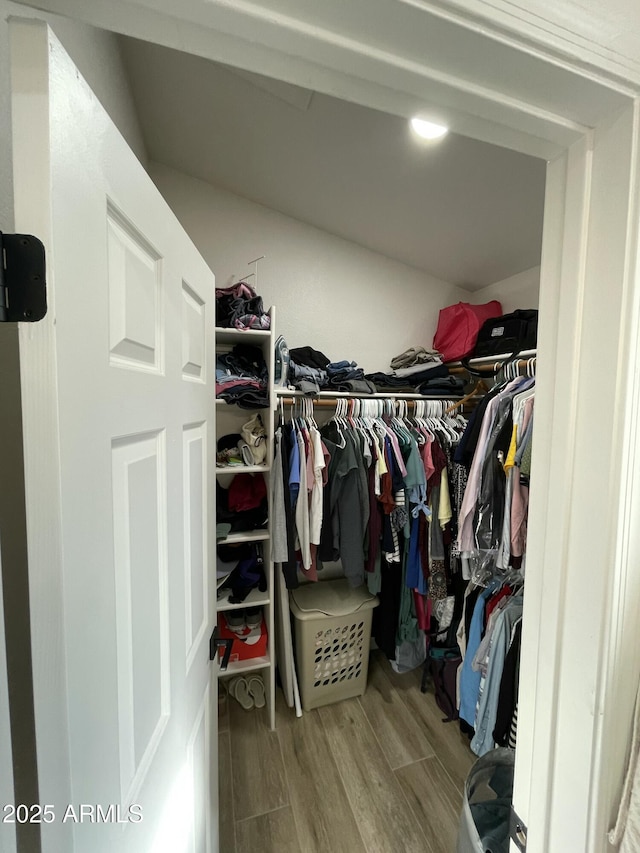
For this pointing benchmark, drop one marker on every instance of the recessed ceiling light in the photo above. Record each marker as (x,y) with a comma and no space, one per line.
(428,129)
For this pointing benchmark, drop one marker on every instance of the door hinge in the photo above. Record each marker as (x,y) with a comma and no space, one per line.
(214,642)
(518,831)
(23,286)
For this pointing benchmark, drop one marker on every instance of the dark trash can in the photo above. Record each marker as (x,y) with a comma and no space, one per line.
(486,806)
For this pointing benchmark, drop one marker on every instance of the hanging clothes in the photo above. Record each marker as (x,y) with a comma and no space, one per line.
(373,489)
(491,543)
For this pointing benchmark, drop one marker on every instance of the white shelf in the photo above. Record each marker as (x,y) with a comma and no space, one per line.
(234,336)
(228,415)
(242,666)
(246,536)
(388,395)
(254,599)
(490,360)
(233,405)
(243,469)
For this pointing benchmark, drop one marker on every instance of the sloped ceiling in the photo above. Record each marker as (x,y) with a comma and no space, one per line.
(464,211)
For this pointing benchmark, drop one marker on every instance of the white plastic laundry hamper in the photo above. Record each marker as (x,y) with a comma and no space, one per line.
(333,635)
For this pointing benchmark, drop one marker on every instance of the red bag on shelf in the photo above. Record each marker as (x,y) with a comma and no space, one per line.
(458,327)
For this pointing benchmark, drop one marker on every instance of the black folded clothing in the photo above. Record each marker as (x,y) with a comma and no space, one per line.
(234,553)
(355,386)
(310,357)
(242,377)
(228,442)
(245,360)
(388,380)
(452,386)
(246,398)
(251,519)
(351,375)
(248,573)
(239,306)
(435,372)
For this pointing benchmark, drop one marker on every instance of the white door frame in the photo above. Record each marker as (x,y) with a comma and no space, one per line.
(582,658)
(7,790)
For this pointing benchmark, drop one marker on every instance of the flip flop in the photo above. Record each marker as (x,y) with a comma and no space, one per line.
(256,690)
(238,688)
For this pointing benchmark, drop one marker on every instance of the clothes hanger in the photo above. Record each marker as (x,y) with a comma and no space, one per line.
(336,419)
(312,415)
(414,425)
(361,421)
(308,412)
(447,434)
(373,410)
(397,420)
(515,579)
(480,387)
(422,420)
(449,424)
(294,415)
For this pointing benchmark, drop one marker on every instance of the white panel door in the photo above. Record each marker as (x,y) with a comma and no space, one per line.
(118,397)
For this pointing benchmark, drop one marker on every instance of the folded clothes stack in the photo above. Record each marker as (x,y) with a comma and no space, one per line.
(414,356)
(242,377)
(238,307)
(246,448)
(418,371)
(347,376)
(307,370)
(243,506)
(310,371)
(240,568)
(233,452)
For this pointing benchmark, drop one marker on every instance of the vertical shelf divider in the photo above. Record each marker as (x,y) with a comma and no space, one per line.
(224,338)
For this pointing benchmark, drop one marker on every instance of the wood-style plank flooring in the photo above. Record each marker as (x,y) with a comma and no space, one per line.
(377,774)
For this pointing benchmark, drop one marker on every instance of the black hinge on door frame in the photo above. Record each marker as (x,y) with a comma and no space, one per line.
(214,642)
(518,831)
(23,286)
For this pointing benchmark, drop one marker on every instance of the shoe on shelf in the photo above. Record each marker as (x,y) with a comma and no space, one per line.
(239,689)
(255,685)
(236,621)
(253,432)
(253,617)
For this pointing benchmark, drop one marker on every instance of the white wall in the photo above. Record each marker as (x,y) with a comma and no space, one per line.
(517,291)
(97,55)
(331,294)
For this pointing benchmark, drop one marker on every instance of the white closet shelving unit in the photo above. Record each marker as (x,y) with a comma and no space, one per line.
(229,419)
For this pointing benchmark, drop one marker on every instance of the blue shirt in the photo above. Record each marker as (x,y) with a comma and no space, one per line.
(488,706)
(470,680)
(294,471)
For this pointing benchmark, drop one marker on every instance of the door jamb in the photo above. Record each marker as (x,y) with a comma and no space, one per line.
(569,178)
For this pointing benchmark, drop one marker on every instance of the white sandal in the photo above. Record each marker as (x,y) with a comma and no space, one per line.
(256,690)
(239,689)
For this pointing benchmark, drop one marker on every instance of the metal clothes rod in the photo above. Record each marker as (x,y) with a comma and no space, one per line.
(522,363)
(330,403)
(354,395)
(491,362)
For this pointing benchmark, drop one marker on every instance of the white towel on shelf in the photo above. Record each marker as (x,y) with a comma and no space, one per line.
(626,832)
